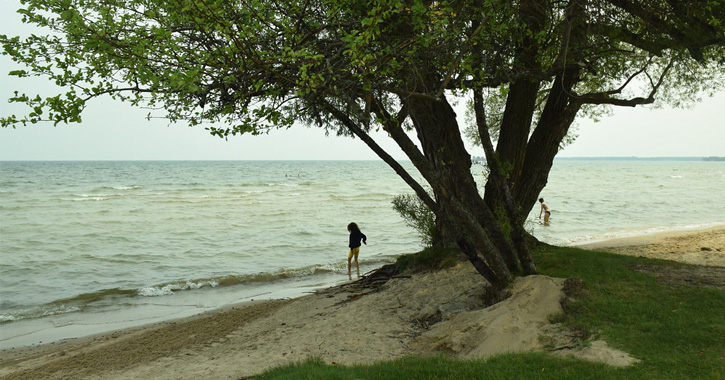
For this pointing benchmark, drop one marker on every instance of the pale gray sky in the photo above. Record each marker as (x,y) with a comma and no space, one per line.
(116,131)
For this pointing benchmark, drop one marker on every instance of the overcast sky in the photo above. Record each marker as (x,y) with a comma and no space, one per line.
(116,131)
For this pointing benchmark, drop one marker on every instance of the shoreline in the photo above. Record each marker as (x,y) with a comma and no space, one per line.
(698,247)
(652,238)
(145,311)
(245,338)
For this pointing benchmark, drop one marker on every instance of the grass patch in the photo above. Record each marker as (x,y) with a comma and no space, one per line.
(518,366)
(429,259)
(676,330)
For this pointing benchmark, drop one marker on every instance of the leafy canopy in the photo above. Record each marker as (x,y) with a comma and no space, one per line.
(260,64)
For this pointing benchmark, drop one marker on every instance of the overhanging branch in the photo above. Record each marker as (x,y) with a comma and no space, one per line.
(605,97)
(394,126)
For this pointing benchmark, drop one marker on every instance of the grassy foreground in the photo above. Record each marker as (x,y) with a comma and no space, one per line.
(676,330)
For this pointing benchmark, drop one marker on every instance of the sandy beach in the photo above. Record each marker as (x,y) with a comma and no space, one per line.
(699,247)
(414,315)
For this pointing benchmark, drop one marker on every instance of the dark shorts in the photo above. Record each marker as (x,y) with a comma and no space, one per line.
(547,212)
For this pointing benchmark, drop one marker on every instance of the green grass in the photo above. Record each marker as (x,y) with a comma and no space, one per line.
(677,331)
(429,259)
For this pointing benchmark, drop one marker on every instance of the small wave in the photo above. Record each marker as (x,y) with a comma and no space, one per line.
(98,195)
(121,188)
(185,200)
(94,296)
(38,312)
(86,198)
(362,197)
(165,290)
(107,297)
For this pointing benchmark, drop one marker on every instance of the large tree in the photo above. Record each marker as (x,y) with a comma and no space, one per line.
(528,67)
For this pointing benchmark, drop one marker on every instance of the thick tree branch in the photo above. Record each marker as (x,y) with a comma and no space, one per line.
(605,97)
(394,127)
(675,25)
(359,132)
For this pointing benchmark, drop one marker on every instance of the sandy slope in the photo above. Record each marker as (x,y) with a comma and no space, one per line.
(431,313)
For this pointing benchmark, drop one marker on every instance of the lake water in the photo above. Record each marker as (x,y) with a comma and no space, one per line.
(92,246)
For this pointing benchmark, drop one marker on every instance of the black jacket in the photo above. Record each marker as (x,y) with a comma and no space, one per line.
(355,237)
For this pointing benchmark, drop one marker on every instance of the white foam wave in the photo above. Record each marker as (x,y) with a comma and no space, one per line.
(39,311)
(86,199)
(92,197)
(168,289)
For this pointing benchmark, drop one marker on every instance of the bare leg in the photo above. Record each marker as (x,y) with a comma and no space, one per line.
(348,268)
(358,267)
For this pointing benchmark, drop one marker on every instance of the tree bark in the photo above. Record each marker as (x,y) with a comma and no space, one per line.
(557,116)
(520,105)
(460,206)
(498,178)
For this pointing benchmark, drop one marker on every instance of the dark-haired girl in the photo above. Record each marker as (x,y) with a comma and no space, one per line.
(356,236)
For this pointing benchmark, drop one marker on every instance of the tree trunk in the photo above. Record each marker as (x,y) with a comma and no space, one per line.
(443,238)
(461,209)
(559,112)
(498,179)
(520,105)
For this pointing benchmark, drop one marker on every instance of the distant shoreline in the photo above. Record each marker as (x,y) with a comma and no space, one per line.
(630,158)
(475,158)
(633,158)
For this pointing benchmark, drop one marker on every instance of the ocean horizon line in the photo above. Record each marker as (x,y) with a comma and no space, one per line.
(477,158)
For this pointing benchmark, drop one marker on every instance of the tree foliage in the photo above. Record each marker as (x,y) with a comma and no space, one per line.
(418,216)
(528,67)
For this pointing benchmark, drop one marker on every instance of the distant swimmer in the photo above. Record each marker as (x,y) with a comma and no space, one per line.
(545,210)
(356,236)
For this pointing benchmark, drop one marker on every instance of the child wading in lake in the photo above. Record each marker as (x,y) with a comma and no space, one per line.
(355,237)
(545,210)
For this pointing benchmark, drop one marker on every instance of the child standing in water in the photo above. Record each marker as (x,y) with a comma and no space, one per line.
(355,237)
(545,210)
